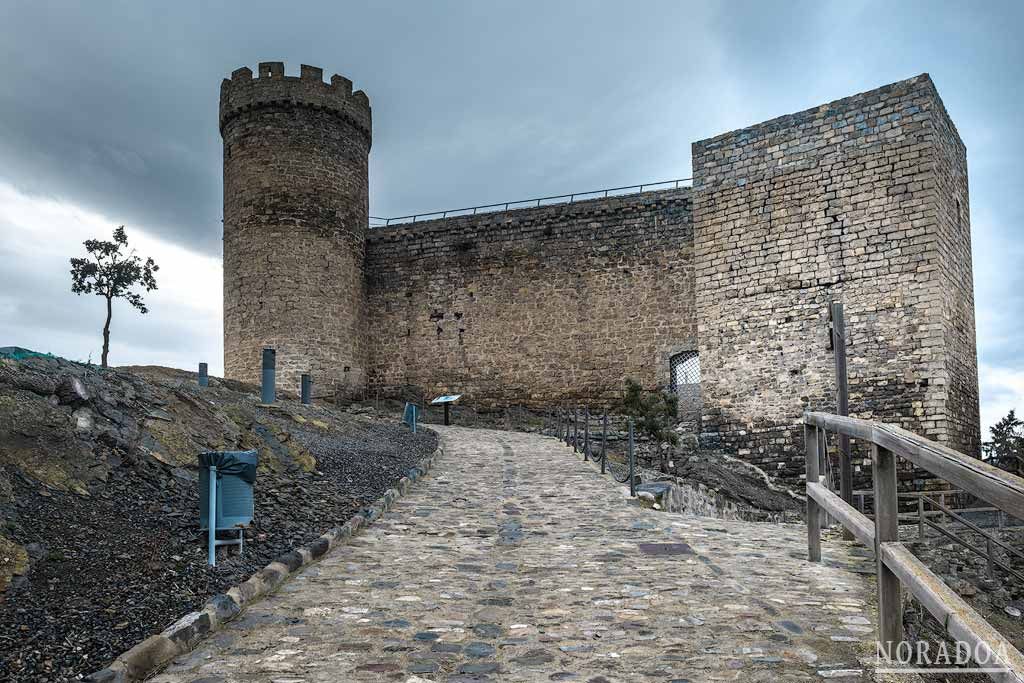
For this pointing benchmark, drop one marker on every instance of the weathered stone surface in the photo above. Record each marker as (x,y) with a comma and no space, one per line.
(295,218)
(863,200)
(595,589)
(533,306)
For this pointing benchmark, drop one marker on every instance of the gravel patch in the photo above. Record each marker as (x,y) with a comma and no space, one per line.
(112,567)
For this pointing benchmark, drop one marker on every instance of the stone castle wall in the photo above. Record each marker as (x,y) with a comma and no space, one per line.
(295,215)
(845,201)
(953,234)
(863,201)
(533,306)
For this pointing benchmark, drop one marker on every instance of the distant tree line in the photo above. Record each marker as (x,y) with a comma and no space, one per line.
(1006,447)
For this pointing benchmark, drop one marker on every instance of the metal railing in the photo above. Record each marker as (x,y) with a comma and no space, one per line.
(895,565)
(945,520)
(572,427)
(531,203)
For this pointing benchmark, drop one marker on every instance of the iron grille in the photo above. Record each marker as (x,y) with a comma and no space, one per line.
(685,369)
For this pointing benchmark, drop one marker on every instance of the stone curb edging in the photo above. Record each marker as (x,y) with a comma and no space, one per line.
(183,635)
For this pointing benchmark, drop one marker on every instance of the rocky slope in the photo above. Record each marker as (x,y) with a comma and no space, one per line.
(99,539)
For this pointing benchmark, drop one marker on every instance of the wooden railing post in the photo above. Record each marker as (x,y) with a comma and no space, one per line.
(890,607)
(813,509)
(842,404)
(823,469)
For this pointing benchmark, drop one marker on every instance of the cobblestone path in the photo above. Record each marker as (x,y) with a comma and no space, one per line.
(514,561)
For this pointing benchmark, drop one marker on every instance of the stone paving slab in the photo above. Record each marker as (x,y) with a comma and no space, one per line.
(514,561)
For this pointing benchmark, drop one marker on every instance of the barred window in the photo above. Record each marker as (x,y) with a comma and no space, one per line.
(685,369)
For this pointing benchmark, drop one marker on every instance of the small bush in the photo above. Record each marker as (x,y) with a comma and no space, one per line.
(654,412)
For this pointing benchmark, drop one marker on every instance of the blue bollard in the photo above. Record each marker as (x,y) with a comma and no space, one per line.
(204,378)
(411,416)
(306,389)
(268,388)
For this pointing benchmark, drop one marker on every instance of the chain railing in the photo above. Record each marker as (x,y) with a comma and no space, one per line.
(552,200)
(572,426)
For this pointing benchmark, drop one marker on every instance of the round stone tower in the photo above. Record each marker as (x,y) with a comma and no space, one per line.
(296,154)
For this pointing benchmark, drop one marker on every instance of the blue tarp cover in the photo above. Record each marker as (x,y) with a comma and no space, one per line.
(18,353)
(241,464)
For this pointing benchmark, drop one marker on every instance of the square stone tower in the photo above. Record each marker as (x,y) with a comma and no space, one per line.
(863,200)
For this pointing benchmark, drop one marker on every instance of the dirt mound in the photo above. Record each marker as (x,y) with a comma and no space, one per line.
(99,540)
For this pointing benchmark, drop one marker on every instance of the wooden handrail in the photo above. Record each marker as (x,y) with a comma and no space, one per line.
(958,618)
(895,564)
(998,487)
(863,529)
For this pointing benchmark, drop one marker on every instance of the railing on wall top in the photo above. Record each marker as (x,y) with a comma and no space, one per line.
(895,564)
(535,202)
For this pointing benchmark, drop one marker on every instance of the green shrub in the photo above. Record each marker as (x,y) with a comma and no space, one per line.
(654,412)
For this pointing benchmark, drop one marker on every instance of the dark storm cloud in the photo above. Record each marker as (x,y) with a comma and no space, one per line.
(112,106)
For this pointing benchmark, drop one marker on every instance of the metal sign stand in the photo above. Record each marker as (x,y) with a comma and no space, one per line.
(446,401)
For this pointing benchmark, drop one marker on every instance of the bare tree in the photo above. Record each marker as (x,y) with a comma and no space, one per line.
(111,273)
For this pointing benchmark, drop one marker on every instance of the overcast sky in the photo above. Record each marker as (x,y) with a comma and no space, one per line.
(108,115)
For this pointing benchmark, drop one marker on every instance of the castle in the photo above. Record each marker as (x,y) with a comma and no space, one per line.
(863,200)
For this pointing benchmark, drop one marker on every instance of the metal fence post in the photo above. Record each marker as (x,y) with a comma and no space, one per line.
(586,433)
(920,516)
(890,609)
(604,441)
(632,467)
(813,509)
(306,389)
(575,428)
(267,388)
(204,377)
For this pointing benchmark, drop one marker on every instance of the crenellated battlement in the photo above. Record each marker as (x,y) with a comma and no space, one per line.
(242,92)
